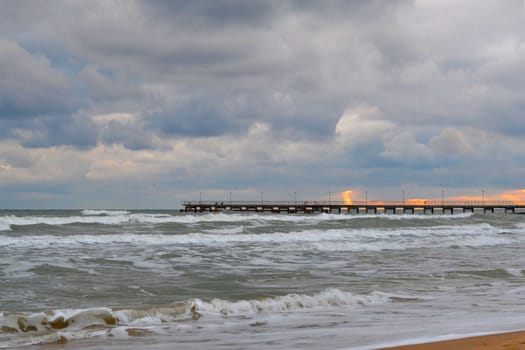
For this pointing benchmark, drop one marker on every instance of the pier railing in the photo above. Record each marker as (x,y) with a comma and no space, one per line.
(406,206)
(363,203)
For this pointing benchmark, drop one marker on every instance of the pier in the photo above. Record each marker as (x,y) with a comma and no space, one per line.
(356,207)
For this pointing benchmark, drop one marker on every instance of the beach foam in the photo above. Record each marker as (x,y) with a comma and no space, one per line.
(329,298)
(59,326)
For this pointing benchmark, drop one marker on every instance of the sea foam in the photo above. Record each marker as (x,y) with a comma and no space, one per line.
(328,239)
(117,217)
(104,212)
(327,299)
(62,325)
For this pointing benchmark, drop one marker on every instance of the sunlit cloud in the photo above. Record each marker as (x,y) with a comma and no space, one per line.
(347,197)
(512,196)
(516,197)
(417,201)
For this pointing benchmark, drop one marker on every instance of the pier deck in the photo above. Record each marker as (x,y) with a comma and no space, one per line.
(355,207)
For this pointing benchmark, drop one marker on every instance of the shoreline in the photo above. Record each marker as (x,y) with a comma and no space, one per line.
(497,341)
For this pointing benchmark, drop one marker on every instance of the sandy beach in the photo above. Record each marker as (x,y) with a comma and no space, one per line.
(502,341)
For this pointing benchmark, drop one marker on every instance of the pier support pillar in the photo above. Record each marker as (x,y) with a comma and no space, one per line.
(428,210)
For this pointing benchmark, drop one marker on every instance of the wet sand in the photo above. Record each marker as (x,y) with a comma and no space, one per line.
(503,341)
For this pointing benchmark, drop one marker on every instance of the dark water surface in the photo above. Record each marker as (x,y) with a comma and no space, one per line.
(161,279)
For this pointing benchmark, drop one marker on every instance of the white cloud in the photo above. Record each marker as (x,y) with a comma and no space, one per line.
(451,141)
(362,125)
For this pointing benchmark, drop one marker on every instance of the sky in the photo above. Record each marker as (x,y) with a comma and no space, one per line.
(145,104)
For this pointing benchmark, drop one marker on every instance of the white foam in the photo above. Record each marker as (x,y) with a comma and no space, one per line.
(226,230)
(81,318)
(156,315)
(55,326)
(52,326)
(520,225)
(334,239)
(6,222)
(71,324)
(52,337)
(327,299)
(115,217)
(514,272)
(4,226)
(104,212)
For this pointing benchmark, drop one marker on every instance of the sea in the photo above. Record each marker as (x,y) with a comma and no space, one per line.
(151,279)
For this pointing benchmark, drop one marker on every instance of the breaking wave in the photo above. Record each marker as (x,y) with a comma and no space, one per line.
(61,326)
(320,239)
(328,298)
(117,217)
(104,212)
(6,222)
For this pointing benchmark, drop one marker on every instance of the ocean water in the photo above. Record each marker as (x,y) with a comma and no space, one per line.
(96,279)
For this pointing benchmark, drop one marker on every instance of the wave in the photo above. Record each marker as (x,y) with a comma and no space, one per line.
(118,217)
(520,225)
(329,298)
(309,218)
(59,326)
(4,226)
(6,222)
(321,239)
(104,212)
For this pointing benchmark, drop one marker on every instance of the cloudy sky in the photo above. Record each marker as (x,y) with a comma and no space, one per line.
(144,104)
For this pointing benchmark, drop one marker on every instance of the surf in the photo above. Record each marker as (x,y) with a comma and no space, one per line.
(118,217)
(65,325)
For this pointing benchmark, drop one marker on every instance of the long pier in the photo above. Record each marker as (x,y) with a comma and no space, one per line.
(356,207)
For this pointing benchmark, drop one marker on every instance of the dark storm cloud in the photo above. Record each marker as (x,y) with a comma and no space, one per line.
(222,75)
(195,118)
(222,48)
(363,10)
(103,87)
(216,13)
(37,101)
(48,131)
(129,135)
(29,86)
(262,13)
(506,119)
(227,47)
